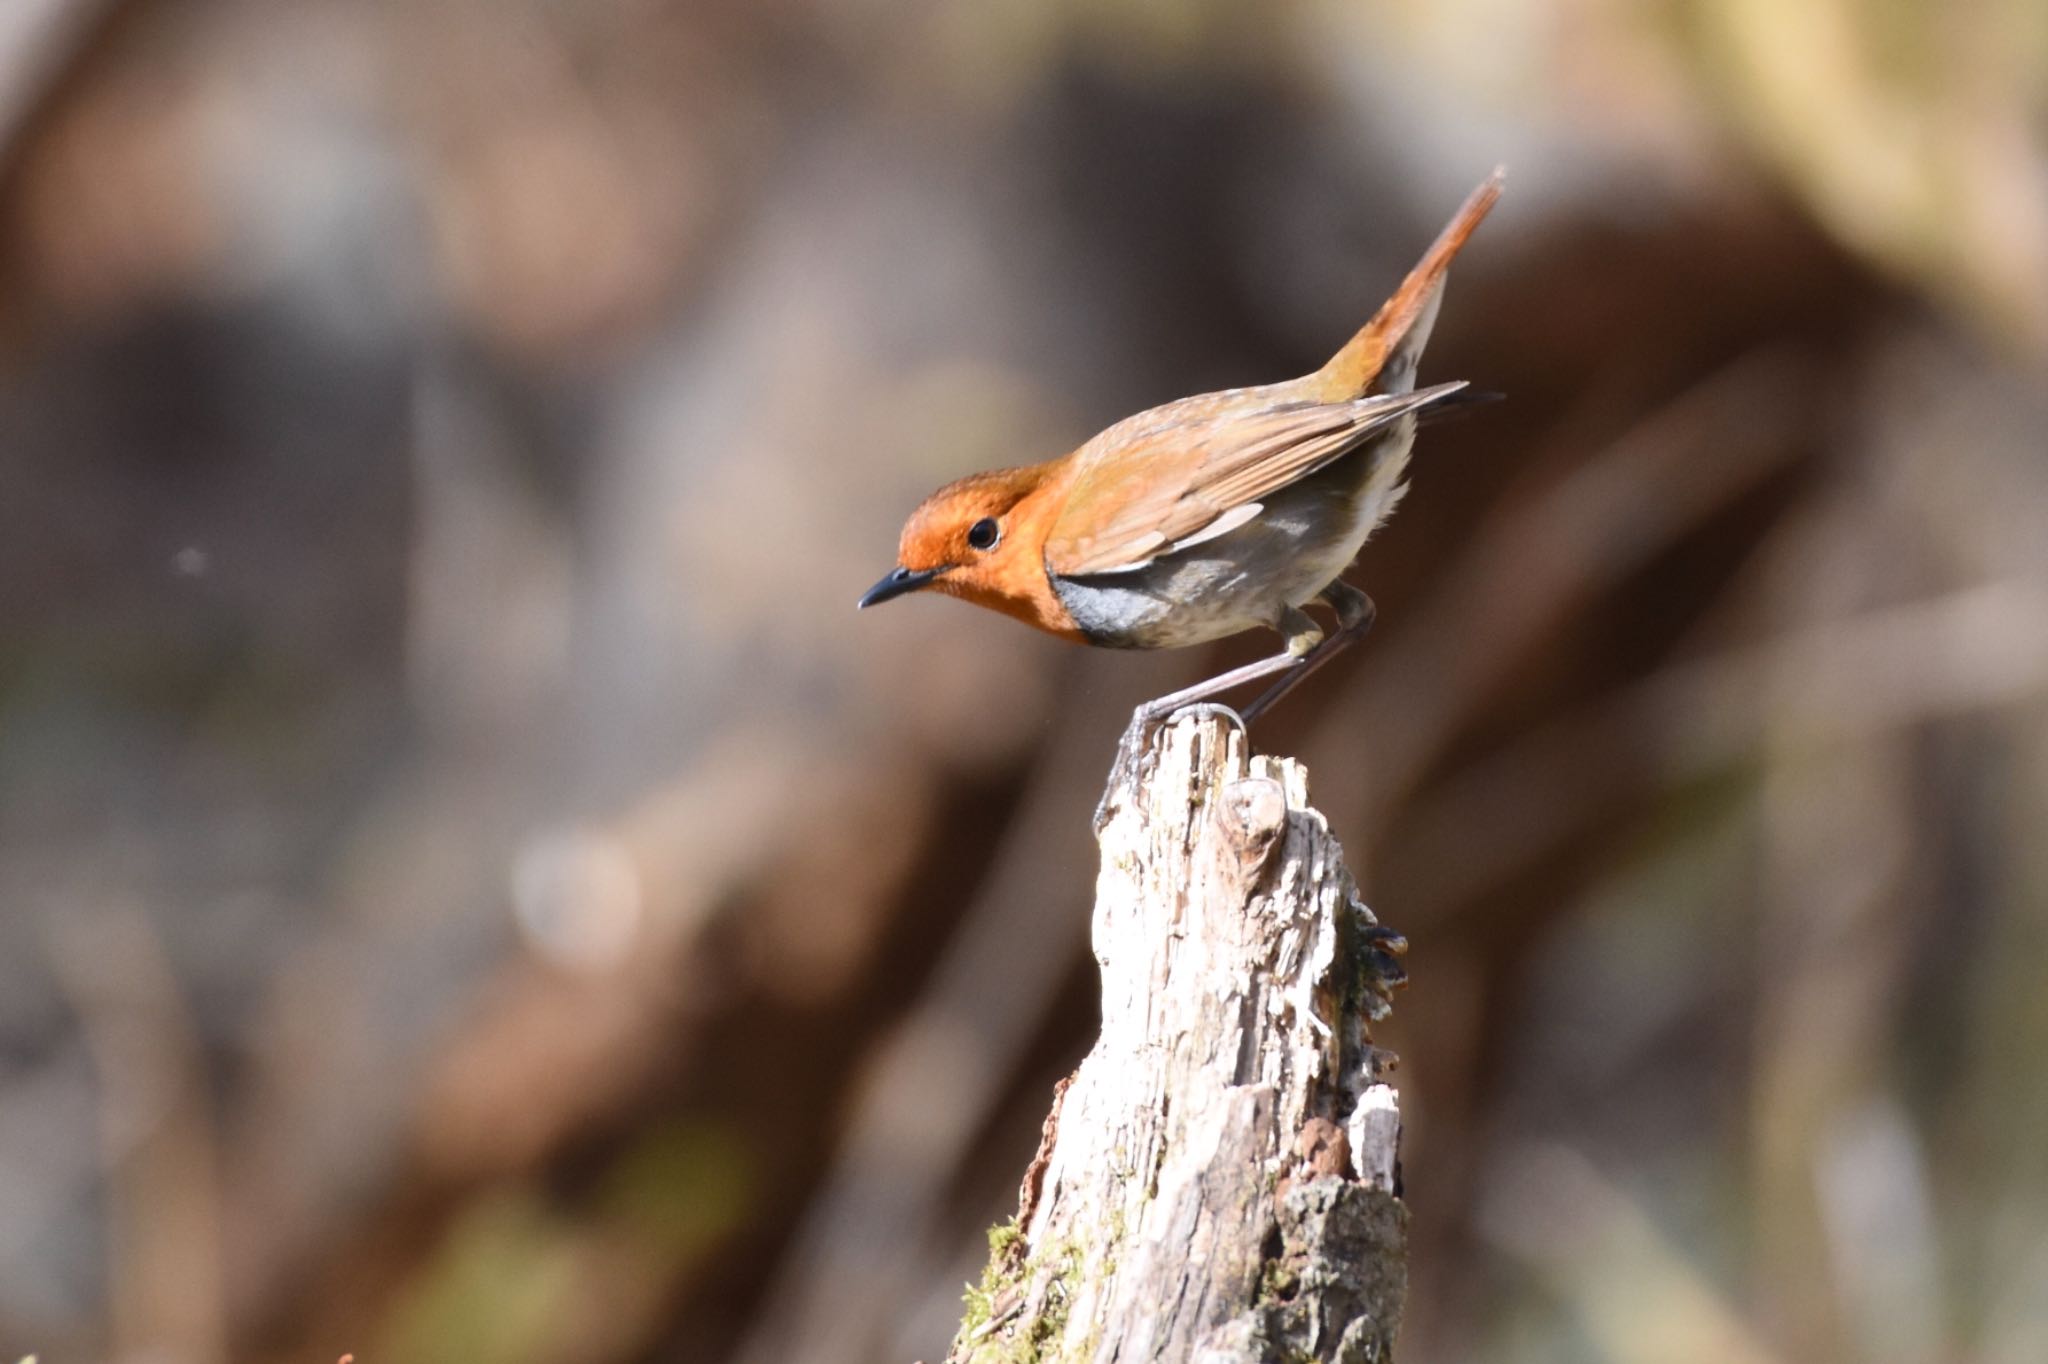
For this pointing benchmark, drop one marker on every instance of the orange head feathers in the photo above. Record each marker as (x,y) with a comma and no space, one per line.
(981,538)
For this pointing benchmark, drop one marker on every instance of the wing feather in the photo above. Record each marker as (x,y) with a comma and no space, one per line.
(1171,484)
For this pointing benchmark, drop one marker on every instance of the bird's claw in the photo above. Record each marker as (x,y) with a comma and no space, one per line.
(1216,710)
(1135,754)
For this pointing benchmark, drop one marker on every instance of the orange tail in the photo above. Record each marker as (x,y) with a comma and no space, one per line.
(1352,370)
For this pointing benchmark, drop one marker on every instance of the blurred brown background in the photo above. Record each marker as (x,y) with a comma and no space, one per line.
(471,888)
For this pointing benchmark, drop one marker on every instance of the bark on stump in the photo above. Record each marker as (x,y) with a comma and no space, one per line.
(1218,1180)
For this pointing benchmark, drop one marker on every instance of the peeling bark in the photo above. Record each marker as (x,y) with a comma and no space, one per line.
(1219,1179)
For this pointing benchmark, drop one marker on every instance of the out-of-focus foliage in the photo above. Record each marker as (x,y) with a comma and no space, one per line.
(471,887)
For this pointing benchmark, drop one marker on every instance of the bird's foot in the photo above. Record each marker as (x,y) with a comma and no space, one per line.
(1380,972)
(1215,710)
(1135,755)
(1133,752)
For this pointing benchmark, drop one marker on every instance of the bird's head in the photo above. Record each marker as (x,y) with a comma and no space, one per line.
(981,538)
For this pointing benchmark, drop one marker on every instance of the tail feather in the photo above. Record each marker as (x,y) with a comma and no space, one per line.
(1381,358)
(1454,405)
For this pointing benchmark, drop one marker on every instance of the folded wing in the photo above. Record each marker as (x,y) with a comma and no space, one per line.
(1172,483)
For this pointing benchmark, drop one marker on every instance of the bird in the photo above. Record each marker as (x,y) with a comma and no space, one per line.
(1209,515)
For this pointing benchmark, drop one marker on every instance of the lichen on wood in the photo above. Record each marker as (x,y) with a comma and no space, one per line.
(1218,1181)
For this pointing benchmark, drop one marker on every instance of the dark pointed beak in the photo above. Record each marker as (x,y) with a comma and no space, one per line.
(899,581)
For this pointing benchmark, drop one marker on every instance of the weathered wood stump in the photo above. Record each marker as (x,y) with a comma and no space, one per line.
(1218,1181)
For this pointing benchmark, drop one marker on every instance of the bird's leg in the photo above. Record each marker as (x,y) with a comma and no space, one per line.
(1303,638)
(1355,613)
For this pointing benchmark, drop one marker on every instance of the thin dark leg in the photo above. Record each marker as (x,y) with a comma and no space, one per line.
(1161,707)
(1355,613)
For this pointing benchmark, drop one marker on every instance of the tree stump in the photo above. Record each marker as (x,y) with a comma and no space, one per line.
(1218,1181)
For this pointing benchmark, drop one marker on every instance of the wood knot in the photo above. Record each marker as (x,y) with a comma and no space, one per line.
(1254,813)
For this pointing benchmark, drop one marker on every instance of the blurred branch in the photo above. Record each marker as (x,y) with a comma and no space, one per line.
(38,40)
(1216,1181)
(935,1082)
(1549,554)
(1598,1249)
(156,1135)
(1838,683)
(1914,139)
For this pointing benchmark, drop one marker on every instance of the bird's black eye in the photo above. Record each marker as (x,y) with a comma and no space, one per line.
(984,533)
